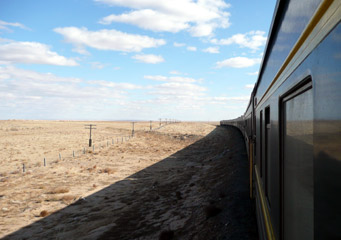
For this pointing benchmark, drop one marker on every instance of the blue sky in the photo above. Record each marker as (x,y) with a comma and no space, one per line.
(130,59)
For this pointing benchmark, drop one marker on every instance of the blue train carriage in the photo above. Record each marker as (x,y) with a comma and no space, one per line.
(293,124)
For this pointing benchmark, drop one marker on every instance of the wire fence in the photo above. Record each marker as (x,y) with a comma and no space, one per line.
(96,147)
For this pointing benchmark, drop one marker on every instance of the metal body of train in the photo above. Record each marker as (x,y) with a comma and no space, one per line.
(292,125)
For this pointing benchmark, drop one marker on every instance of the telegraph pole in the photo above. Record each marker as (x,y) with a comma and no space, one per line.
(90,126)
(132,131)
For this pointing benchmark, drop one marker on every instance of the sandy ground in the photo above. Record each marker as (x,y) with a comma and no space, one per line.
(182,181)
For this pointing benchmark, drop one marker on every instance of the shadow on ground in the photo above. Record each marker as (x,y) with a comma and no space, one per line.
(200,192)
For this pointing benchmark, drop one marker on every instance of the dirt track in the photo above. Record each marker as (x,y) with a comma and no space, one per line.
(199,192)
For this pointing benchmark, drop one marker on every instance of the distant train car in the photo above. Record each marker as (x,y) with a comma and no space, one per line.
(292,125)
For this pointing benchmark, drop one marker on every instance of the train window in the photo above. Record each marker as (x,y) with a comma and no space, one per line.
(261,143)
(297,164)
(267,152)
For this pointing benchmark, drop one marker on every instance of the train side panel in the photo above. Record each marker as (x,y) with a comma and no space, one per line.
(296,134)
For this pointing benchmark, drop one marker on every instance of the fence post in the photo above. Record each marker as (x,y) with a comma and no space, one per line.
(44,162)
(23,167)
(133,130)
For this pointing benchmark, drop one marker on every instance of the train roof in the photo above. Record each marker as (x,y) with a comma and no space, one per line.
(288,29)
(274,23)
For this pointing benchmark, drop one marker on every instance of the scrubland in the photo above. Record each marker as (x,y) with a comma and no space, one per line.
(168,181)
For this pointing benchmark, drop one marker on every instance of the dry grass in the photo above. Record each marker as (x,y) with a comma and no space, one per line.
(67,199)
(91,169)
(108,170)
(5,179)
(60,183)
(44,213)
(37,165)
(58,190)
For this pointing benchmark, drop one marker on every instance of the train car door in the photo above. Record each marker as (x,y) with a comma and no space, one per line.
(297,164)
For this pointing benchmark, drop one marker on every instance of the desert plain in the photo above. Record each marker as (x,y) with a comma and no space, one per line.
(185,180)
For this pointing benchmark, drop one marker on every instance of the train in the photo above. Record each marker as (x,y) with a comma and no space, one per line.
(292,124)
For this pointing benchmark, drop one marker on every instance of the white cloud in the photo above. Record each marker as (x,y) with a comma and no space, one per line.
(174,72)
(4,25)
(226,99)
(33,95)
(174,94)
(191,48)
(253,73)
(20,82)
(26,94)
(253,40)
(156,78)
(241,98)
(150,20)
(32,53)
(80,50)
(4,40)
(178,89)
(171,79)
(24,84)
(13,73)
(175,44)
(108,39)
(249,86)
(184,90)
(97,65)
(211,50)
(238,62)
(200,17)
(202,30)
(148,58)
(121,86)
